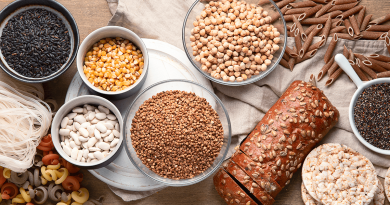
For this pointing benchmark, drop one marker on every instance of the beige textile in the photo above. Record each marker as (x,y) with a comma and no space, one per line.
(246,105)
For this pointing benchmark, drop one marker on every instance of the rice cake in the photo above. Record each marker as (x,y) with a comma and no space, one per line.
(336,174)
(379,198)
(306,197)
(387,184)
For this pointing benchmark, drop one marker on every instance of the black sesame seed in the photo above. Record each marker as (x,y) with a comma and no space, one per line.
(372,115)
(35,43)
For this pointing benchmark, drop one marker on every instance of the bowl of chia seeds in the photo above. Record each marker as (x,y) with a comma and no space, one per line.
(369,110)
(38,40)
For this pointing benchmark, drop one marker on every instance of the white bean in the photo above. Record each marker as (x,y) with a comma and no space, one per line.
(64,122)
(98,155)
(94,121)
(91,130)
(111,117)
(85,145)
(106,133)
(82,159)
(92,141)
(105,153)
(85,111)
(80,119)
(97,134)
(67,142)
(89,107)
(83,139)
(104,109)
(91,156)
(109,138)
(62,138)
(70,122)
(79,155)
(94,160)
(71,115)
(67,150)
(64,132)
(74,153)
(93,149)
(112,122)
(72,144)
(117,127)
(75,138)
(77,110)
(85,153)
(89,160)
(101,116)
(116,133)
(76,125)
(91,115)
(97,111)
(85,124)
(104,146)
(101,127)
(84,132)
(109,126)
(114,142)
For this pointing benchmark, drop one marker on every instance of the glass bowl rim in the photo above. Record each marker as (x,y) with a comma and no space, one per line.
(124,130)
(245,82)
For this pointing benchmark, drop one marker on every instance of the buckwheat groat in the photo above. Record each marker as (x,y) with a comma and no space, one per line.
(336,174)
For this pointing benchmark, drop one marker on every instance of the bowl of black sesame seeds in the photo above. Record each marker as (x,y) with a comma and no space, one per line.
(38,40)
(369,110)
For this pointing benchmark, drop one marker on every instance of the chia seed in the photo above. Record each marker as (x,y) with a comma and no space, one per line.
(372,115)
(35,43)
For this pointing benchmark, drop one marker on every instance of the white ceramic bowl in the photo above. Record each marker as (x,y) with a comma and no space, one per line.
(112,31)
(344,64)
(66,109)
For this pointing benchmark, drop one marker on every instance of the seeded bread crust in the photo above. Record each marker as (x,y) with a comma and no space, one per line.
(230,191)
(253,187)
(278,145)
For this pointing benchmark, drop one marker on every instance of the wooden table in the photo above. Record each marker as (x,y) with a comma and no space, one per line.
(91,15)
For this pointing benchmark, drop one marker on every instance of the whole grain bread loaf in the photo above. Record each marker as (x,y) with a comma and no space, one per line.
(276,148)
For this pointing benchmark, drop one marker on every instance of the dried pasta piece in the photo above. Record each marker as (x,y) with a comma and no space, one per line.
(326,30)
(317,45)
(349,28)
(334,76)
(344,36)
(349,12)
(387,42)
(298,42)
(332,45)
(360,17)
(323,10)
(310,29)
(339,2)
(289,17)
(373,66)
(366,69)
(365,22)
(296,10)
(291,63)
(262,2)
(354,24)
(309,12)
(309,39)
(342,7)
(307,55)
(358,71)
(299,28)
(284,63)
(333,68)
(371,35)
(385,74)
(380,20)
(303,4)
(337,29)
(380,57)
(286,56)
(380,63)
(382,28)
(290,52)
(331,14)
(325,69)
(284,3)
(321,1)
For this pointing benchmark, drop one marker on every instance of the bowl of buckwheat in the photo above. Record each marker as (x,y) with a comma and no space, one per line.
(113,62)
(234,42)
(177,132)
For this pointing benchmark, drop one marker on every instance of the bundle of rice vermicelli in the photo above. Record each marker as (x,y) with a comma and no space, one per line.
(24,119)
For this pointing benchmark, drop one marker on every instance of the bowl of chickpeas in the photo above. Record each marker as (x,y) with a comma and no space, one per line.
(113,62)
(234,42)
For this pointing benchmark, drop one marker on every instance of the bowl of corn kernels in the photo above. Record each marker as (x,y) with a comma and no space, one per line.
(113,62)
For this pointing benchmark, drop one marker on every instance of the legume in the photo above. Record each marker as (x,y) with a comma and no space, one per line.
(113,64)
(177,134)
(371,114)
(233,40)
(35,43)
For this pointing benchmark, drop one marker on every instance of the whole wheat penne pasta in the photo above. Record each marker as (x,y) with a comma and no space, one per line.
(290,34)
(313,21)
(331,14)
(324,9)
(366,69)
(345,51)
(332,45)
(293,27)
(298,43)
(291,63)
(344,36)
(382,37)
(289,17)
(348,26)
(317,45)
(354,24)
(380,57)
(334,76)
(371,35)
(359,72)
(307,55)
(326,30)
(284,63)
(338,2)
(303,4)
(309,12)
(310,29)
(337,29)
(380,63)
(296,10)
(276,15)
(309,39)
(300,28)
(383,74)
(365,22)
(360,17)
(360,57)
(284,3)
(351,56)
(373,66)
(286,56)
(333,68)
(343,7)
(349,12)
(325,69)
(291,53)
(382,28)
(387,42)
(336,22)
(321,1)
(262,2)
(380,20)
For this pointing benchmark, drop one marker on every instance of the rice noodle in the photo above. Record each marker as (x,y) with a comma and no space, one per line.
(24,119)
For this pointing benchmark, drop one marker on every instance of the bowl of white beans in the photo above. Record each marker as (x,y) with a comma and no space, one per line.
(86,131)
(234,42)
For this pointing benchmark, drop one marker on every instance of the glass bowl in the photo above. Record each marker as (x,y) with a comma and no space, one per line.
(270,7)
(182,85)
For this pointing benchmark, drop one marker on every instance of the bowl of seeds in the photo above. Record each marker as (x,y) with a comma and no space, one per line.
(113,62)
(39,40)
(234,42)
(177,132)
(369,110)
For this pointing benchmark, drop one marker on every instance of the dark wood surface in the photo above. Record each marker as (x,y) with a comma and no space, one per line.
(93,14)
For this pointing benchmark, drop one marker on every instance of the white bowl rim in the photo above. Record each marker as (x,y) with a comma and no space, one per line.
(56,140)
(352,118)
(84,44)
